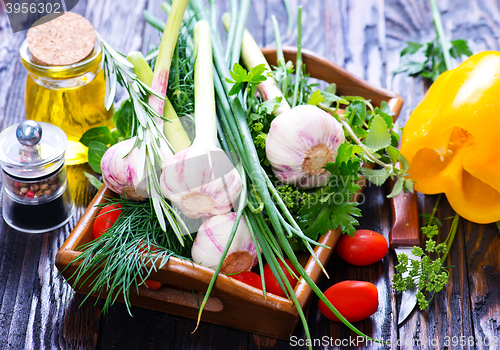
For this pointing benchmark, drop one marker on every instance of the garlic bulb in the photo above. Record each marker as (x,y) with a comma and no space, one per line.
(300,143)
(121,169)
(212,239)
(201,180)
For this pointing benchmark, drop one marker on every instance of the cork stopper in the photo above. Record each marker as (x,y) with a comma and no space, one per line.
(65,40)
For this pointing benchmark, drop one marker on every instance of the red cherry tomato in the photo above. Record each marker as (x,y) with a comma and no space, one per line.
(272,285)
(355,300)
(106,218)
(365,248)
(152,284)
(250,278)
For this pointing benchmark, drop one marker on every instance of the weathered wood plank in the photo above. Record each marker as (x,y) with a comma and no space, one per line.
(448,313)
(483,264)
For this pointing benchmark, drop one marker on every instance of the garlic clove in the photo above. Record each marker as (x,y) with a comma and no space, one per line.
(119,166)
(201,181)
(211,241)
(300,143)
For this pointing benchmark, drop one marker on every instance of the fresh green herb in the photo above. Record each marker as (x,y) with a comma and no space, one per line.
(241,77)
(293,197)
(434,64)
(100,138)
(437,52)
(128,252)
(331,207)
(426,274)
(259,121)
(498,225)
(119,70)
(96,151)
(361,121)
(93,180)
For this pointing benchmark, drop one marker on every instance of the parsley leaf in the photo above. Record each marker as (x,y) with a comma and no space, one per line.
(426,274)
(331,207)
(378,135)
(241,77)
(434,63)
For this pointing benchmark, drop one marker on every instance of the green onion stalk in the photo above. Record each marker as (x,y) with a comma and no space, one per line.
(234,124)
(269,89)
(279,55)
(298,62)
(178,137)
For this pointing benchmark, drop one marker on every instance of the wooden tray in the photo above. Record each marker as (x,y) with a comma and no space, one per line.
(232,303)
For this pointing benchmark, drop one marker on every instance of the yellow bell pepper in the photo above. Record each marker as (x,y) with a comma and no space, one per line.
(452,138)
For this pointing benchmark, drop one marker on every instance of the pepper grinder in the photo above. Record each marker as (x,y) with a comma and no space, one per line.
(36,196)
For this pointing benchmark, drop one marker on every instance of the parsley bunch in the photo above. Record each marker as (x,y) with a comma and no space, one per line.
(426,274)
(434,63)
(331,206)
(371,129)
(437,52)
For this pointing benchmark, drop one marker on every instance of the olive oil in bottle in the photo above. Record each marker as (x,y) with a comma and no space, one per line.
(61,91)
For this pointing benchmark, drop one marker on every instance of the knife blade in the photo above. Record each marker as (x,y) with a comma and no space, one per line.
(403,237)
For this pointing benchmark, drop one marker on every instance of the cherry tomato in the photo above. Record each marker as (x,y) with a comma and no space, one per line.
(272,285)
(355,300)
(152,284)
(365,248)
(105,219)
(250,278)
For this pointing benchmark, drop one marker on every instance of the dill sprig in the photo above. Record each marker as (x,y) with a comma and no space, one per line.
(127,253)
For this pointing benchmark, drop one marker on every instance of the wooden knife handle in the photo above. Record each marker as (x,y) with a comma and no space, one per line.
(405,230)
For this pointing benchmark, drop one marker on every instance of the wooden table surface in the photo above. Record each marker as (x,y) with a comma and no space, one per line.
(39,311)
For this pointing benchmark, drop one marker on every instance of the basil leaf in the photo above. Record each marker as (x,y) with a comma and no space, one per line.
(96,151)
(99,134)
(125,120)
(93,180)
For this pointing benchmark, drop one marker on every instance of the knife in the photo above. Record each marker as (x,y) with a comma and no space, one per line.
(403,237)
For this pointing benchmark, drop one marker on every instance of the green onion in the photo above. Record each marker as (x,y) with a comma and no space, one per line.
(238,127)
(167,47)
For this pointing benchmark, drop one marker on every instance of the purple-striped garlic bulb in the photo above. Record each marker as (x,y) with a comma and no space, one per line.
(123,168)
(300,143)
(201,180)
(212,238)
